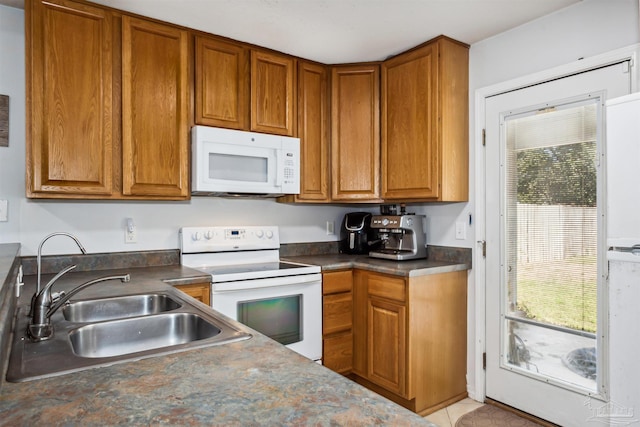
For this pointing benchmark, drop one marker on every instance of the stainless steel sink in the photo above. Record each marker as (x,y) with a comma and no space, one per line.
(160,321)
(97,310)
(119,337)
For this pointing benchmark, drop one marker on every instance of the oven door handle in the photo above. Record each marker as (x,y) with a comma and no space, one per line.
(241,285)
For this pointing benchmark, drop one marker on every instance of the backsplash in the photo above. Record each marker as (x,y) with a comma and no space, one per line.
(102,261)
(106,261)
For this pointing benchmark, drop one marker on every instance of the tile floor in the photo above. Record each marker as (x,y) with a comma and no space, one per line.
(448,416)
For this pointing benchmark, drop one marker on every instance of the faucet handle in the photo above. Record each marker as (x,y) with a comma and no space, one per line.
(55,296)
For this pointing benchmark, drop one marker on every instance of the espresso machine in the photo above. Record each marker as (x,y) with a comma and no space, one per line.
(403,236)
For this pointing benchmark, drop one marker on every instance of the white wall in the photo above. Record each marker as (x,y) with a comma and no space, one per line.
(12,158)
(582,30)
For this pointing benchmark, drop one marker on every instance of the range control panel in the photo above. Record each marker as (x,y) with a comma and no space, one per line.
(228,238)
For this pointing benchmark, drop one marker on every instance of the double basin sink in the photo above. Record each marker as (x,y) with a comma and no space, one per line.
(107,330)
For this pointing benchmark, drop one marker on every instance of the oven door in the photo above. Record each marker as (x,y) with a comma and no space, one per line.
(286,309)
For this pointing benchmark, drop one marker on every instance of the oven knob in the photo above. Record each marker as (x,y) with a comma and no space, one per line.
(196,236)
(259,234)
(269,234)
(208,234)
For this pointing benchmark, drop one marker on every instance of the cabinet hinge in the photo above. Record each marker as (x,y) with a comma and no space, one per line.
(484,137)
(484,361)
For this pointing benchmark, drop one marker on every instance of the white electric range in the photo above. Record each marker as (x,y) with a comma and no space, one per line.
(250,284)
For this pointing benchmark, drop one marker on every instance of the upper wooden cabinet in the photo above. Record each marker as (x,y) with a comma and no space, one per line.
(273,100)
(69,77)
(313,131)
(240,88)
(86,138)
(355,133)
(222,83)
(155,109)
(425,129)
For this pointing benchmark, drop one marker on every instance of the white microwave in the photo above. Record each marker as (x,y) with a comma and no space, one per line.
(233,162)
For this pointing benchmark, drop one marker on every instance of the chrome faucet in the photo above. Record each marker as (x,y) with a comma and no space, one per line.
(40,327)
(39,257)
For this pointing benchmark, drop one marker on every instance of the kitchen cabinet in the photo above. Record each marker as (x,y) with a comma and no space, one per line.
(410,337)
(222,83)
(355,133)
(337,321)
(107,104)
(199,291)
(313,131)
(155,109)
(425,129)
(273,100)
(70,143)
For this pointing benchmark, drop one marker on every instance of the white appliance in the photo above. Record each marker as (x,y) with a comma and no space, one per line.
(623,238)
(233,162)
(250,284)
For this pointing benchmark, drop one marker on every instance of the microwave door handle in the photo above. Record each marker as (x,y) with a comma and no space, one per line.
(279,167)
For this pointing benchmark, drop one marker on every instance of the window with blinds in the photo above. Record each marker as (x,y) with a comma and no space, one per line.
(551,236)
(552,216)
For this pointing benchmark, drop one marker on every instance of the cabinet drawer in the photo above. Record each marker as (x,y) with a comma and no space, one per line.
(337,313)
(338,352)
(387,287)
(339,281)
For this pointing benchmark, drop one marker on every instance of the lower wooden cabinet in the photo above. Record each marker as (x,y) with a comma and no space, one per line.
(199,291)
(409,337)
(337,321)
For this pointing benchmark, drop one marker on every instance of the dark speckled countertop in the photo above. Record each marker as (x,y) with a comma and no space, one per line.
(256,382)
(412,268)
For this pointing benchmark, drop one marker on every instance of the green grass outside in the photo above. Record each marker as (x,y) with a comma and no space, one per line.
(561,293)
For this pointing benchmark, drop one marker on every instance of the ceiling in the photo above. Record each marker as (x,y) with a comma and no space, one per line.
(341,31)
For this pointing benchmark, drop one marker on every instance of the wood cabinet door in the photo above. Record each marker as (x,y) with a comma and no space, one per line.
(410,148)
(386,344)
(355,133)
(272,93)
(313,130)
(222,83)
(69,77)
(199,291)
(155,110)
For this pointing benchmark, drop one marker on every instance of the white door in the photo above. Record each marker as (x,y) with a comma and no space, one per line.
(545,256)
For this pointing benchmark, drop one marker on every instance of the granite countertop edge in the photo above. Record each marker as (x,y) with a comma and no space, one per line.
(410,268)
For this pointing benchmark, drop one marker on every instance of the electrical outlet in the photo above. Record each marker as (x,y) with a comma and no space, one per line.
(130,232)
(4,210)
(461,230)
(330,228)
(131,236)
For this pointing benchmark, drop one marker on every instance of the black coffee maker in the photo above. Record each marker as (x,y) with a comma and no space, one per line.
(356,233)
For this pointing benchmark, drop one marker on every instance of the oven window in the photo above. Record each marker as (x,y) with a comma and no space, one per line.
(231,167)
(278,318)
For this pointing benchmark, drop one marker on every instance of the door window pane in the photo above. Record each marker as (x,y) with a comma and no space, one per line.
(552,243)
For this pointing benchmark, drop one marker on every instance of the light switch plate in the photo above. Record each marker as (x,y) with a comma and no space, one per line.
(461,230)
(330,228)
(4,210)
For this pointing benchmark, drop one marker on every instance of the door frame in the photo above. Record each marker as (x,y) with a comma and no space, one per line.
(626,53)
